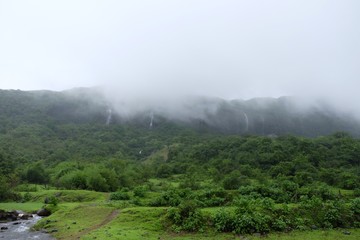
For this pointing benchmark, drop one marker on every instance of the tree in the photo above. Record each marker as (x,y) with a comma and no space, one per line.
(36,174)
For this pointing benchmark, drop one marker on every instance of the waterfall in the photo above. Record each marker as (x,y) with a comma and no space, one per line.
(151,120)
(246,122)
(109,116)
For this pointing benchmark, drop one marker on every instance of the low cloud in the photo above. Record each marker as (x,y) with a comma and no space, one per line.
(161,51)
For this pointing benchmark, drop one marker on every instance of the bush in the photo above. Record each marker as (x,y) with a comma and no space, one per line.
(186,217)
(190,183)
(27,197)
(96,182)
(253,215)
(355,208)
(261,191)
(213,197)
(322,191)
(234,181)
(356,192)
(120,196)
(51,200)
(224,221)
(73,180)
(26,188)
(171,197)
(140,191)
(6,193)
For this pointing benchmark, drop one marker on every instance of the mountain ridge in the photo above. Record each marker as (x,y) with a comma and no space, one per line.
(258,116)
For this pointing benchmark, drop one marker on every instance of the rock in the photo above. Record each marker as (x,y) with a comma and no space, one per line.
(10,216)
(16,223)
(43,212)
(314,227)
(346,232)
(14,215)
(26,216)
(4,228)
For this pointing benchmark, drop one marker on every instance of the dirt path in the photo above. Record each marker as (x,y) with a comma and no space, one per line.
(108,219)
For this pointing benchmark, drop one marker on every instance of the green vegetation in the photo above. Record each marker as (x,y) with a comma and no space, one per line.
(211,187)
(126,181)
(27,207)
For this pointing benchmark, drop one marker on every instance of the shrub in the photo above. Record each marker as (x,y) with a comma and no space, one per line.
(51,200)
(213,197)
(190,183)
(119,196)
(26,188)
(27,197)
(252,222)
(234,181)
(73,180)
(186,217)
(171,197)
(279,224)
(95,181)
(356,192)
(140,191)
(355,208)
(224,221)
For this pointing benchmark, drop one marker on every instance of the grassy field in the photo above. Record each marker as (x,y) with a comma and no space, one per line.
(72,223)
(26,207)
(68,195)
(90,215)
(334,234)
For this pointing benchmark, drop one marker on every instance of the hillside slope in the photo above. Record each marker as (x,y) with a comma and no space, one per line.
(260,116)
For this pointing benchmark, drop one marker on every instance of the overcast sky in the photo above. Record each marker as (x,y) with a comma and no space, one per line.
(224,48)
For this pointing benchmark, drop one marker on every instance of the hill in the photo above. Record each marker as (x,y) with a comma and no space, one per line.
(259,116)
(202,165)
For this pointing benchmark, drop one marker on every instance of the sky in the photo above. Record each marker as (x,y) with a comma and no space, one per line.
(223,48)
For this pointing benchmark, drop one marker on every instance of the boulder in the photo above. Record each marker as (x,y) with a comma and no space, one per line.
(8,216)
(43,212)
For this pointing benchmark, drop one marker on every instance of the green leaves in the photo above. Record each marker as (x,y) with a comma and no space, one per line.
(186,217)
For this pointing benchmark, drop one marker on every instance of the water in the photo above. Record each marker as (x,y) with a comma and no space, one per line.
(246,122)
(108,119)
(151,120)
(22,230)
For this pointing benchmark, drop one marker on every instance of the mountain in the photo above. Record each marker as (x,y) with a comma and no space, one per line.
(260,116)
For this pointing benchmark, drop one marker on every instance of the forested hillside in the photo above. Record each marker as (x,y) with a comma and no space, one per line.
(43,131)
(259,116)
(73,141)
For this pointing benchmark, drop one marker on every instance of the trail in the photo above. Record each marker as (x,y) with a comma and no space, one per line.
(108,219)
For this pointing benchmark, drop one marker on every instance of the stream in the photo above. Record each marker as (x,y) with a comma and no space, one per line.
(20,230)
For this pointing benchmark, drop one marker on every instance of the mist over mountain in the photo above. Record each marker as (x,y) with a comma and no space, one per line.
(259,116)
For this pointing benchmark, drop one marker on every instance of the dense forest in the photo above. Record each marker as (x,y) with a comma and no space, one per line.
(64,142)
